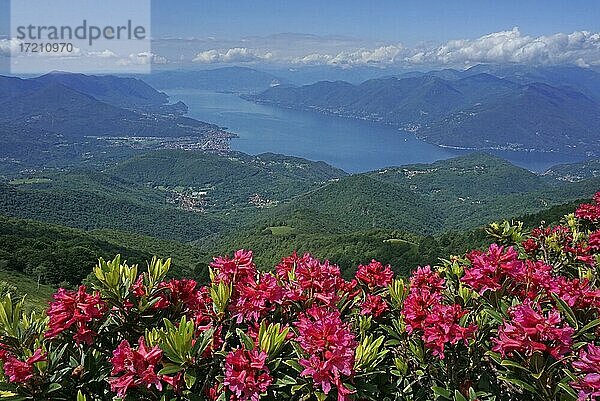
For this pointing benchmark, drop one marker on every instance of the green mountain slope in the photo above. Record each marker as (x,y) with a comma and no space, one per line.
(227,181)
(459,193)
(56,254)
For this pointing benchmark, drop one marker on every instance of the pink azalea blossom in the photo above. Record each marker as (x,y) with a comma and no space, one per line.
(329,345)
(373,305)
(530,331)
(74,308)
(135,367)
(588,364)
(375,274)
(256,298)
(246,374)
(21,371)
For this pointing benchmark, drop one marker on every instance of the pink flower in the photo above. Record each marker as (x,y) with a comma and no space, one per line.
(373,305)
(530,245)
(594,240)
(307,278)
(423,311)
(239,268)
(177,292)
(588,365)
(322,281)
(19,371)
(330,346)
(74,308)
(246,374)
(138,367)
(441,326)
(587,211)
(576,293)
(256,298)
(375,274)
(287,266)
(529,331)
(425,292)
(489,269)
(529,279)
(139,289)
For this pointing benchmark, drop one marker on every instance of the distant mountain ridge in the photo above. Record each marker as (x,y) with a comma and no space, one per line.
(229,79)
(574,172)
(472,109)
(61,119)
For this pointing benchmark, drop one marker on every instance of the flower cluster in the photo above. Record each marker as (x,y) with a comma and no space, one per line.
(531,331)
(499,269)
(590,211)
(373,305)
(236,269)
(74,309)
(425,312)
(588,364)
(21,371)
(257,297)
(246,374)
(488,269)
(135,367)
(375,274)
(329,346)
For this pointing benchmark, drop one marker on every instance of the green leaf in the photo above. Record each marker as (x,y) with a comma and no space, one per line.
(569,391)
(170,368)
(285,381)
(458,396)
(442,392)
(190,379)
(520,383)
(54,387)
(247,341)
(516,365)
(587,327)
(567,311)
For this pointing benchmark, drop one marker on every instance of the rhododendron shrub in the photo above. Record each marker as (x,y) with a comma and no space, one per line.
(517,320)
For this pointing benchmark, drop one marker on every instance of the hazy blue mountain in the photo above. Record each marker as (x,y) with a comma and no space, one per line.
(230,79)
(535,116)
(474,109)
(56,108)
(118,91)
(584,80)
(58,120)
(575,171)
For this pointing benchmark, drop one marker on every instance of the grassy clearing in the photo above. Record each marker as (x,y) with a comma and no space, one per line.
(25,181)
(36,297)
(398,241)
(280,230)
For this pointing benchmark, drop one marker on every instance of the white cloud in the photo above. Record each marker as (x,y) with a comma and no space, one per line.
(511,46)
(382,55)
(580,47)
(7,46)
(143,58)
(232,55)
(103,54)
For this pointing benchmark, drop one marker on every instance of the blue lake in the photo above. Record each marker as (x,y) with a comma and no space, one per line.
(352,145)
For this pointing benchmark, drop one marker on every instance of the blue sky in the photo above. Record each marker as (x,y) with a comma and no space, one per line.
(385,33)
(410,22)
